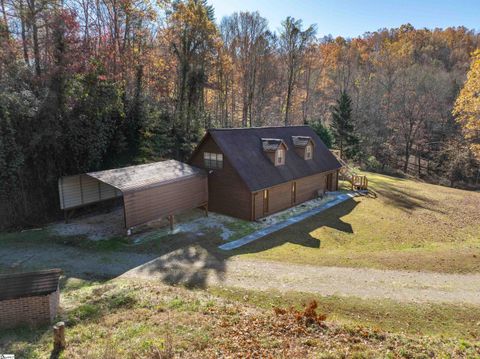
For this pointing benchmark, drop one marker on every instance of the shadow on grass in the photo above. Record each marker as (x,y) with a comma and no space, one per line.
(299,233)
(185,258)
(405,199)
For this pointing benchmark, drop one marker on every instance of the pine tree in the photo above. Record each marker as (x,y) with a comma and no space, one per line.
(324,132)
(342,126)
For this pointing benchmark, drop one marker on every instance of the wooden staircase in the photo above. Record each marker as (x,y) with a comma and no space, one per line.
(358,182)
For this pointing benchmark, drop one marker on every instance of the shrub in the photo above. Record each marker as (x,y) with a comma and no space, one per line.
(373,164)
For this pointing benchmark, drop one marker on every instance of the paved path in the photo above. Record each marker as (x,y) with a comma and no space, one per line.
(337,199)
(402,286)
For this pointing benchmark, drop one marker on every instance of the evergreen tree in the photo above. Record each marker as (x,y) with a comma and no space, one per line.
(324,132)
(342,126)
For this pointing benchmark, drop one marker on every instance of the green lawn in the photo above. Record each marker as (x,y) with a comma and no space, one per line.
(401,224)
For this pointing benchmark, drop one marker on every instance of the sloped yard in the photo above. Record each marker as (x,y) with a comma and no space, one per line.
(401,224)
(143,319)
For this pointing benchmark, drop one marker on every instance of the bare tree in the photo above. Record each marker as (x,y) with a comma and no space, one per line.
(246,36)
(293,44)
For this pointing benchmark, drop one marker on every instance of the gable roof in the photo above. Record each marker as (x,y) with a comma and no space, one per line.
(243,148)
(301,141)
(139,177)
(272,144)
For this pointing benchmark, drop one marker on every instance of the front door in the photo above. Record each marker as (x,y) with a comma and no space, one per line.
(294,192)
(329,182)
(265,201)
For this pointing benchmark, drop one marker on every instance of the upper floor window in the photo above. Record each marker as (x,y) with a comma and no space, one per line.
(280,157)
(308,152)
(213,160)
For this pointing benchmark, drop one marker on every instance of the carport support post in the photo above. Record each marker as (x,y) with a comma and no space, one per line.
(170,220)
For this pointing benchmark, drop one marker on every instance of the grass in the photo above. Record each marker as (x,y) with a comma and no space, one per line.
(402,224)
(145,319)
(45,237)
(454,321)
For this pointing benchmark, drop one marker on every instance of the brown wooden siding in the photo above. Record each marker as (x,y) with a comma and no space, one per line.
(227,192)
(280,196)
(163,200)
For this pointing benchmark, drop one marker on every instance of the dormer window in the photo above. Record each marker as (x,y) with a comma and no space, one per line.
(308,152)
(303,146)
(280,157)
(275,149)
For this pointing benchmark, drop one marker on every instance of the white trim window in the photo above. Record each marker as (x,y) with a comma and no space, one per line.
(308,152)
(213,160)
(280,157)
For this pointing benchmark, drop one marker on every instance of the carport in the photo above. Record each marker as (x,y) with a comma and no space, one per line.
(150,191)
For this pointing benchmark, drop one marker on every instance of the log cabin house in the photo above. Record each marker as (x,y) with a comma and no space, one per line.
(255,172)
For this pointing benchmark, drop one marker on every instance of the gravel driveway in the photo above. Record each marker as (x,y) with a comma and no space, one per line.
(194,265)
(402,286)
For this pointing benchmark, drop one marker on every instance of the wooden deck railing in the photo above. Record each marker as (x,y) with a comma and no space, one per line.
(359,182)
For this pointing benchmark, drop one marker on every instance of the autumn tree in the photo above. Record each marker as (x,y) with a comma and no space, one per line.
(246,37)
(467,106)
(194,40)
(293,44)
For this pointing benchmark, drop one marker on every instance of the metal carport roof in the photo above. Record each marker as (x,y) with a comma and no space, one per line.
(138,177)
(149,191)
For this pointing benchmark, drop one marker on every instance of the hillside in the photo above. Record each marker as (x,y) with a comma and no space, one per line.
(132,319)
(401,224)
(178,295)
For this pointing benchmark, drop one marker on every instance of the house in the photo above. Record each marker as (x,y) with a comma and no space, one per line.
(254,172)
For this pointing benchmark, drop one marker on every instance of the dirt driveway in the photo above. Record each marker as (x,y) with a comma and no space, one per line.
(195,265)
(402,286)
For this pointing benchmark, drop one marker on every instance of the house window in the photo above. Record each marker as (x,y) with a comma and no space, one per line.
(213,160)
(280,157)
(308,152)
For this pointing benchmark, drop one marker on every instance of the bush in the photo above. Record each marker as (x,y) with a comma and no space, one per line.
(373,164)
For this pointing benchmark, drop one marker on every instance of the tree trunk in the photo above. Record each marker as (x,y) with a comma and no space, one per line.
(24,35)
(407,158)
(289,94)
(36,47)
(4,15)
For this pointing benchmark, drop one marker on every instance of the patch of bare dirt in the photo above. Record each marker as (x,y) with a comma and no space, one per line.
(404,286)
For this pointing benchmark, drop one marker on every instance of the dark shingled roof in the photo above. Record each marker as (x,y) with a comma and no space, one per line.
(243,148)
(29,284)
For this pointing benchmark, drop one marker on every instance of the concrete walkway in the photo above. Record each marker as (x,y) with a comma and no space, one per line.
(338,197)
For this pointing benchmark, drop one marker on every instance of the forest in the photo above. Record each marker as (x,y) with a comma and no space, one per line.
(93,84)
